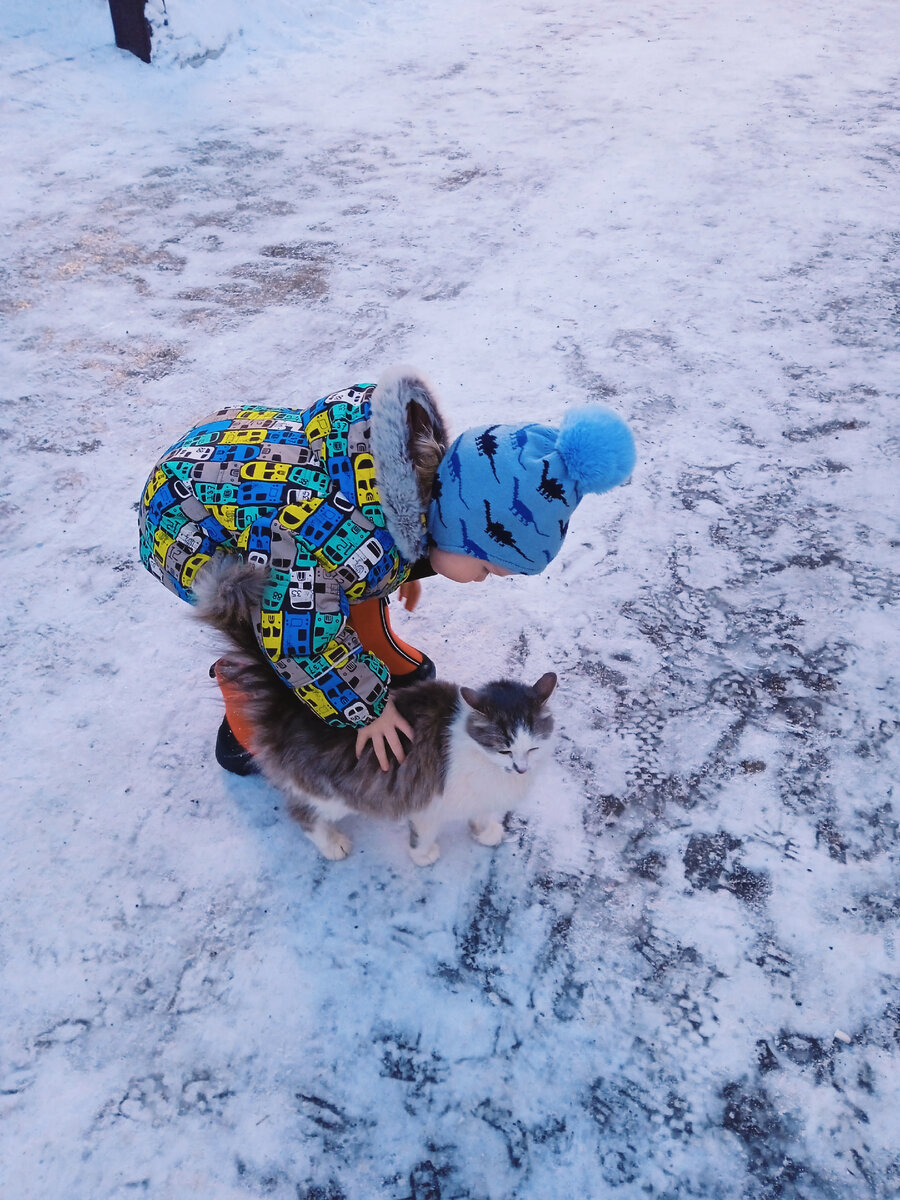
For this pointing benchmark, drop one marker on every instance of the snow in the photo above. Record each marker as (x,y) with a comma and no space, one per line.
(677,977)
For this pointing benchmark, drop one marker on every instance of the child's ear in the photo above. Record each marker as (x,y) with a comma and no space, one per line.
(543,689)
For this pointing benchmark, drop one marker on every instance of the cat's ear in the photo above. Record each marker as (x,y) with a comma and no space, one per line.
(472,699)
(543,689)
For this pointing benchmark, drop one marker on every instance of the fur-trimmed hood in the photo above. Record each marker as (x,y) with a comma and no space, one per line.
(399,469)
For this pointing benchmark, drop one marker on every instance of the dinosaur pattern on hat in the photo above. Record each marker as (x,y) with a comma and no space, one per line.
(527,482)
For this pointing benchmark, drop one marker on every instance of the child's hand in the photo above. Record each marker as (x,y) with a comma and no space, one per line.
(385,731)
(410,593)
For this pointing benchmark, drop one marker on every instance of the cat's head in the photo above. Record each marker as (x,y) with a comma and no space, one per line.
(510,721)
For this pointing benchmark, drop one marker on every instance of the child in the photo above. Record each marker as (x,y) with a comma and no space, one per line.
(354,498)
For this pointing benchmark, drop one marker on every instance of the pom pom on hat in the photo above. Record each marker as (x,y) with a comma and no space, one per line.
(597,447)
(504,494)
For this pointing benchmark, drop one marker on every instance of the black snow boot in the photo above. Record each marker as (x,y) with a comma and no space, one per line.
(425,670)
(231,755)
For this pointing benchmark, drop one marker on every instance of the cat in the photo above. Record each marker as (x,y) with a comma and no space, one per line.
(472,757)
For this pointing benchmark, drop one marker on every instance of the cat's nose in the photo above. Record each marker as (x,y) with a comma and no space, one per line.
(519,770)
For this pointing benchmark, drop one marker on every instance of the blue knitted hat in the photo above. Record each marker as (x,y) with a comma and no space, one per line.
(505,494)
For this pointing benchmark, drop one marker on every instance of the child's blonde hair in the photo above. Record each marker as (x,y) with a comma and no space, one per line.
(426,449)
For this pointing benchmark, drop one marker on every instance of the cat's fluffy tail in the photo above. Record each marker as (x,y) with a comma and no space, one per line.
(228,593)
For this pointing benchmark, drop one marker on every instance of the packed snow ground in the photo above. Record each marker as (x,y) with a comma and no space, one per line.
(678,975)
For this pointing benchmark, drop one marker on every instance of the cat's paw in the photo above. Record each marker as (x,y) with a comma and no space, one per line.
(488,833)
(330,842)
(424,856)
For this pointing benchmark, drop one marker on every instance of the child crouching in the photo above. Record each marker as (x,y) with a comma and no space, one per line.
(356,497)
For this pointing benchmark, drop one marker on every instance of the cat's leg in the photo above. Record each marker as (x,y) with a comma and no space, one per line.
(329,840)
(323,834)
(486,830)
(423,847)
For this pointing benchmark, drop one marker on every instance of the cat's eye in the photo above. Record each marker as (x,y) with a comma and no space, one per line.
(508,753)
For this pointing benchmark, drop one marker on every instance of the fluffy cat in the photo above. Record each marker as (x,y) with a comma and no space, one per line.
(472,757)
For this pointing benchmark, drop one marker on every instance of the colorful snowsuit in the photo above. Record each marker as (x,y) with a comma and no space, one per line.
(296,492)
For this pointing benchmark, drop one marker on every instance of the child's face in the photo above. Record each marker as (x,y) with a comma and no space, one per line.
(461,568)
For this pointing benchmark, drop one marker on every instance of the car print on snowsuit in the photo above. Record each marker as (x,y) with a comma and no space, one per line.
(295,492)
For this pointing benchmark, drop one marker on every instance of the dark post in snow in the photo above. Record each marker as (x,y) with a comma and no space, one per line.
(131,27)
